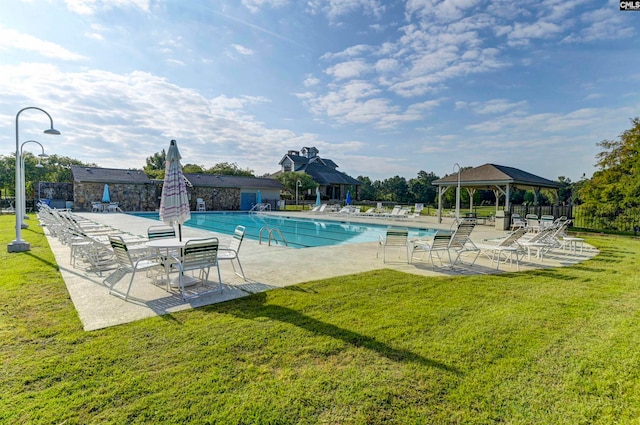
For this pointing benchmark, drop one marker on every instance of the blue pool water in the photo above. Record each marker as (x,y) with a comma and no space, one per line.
(298,232)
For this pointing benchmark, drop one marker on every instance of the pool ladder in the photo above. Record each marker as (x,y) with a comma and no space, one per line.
(271,236)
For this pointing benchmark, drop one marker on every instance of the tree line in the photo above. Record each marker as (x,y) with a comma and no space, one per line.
(613,189)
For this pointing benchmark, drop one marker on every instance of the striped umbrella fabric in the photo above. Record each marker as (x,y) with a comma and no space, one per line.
(174,202)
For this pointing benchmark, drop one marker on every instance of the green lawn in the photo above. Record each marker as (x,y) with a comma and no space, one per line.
(558,346)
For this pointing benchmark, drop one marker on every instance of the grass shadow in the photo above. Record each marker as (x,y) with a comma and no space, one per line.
(256,308)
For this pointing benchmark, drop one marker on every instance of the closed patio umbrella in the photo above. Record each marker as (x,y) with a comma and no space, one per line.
(174,202)
(317,197)
(259,197)
(348,201)
(105,194)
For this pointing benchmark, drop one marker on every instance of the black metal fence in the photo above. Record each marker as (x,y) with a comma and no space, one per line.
(607,219)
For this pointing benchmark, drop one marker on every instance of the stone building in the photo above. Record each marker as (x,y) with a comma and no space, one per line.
(232,192)
(134,191)
(131,189)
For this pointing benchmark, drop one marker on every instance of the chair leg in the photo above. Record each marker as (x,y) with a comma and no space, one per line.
(241,274)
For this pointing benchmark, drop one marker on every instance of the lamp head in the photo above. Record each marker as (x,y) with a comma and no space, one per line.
(43,155)
(52,131)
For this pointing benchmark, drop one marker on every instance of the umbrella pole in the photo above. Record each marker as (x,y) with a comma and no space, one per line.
(179,232)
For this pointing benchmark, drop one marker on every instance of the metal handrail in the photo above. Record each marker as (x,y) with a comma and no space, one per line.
(270,236)
(260,207)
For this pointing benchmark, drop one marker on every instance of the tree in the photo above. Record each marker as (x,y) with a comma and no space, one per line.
(229,169)
(54,168)
(156,164)
(616,184)
(367,190)
(395,189)
(421,188)
(193,169)
(290,179)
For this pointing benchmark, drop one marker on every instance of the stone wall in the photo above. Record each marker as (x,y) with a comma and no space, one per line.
(62,191)
(135,197)
(216,199)
(130,197)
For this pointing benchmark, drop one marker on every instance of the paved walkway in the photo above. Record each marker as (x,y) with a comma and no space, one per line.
(266,267)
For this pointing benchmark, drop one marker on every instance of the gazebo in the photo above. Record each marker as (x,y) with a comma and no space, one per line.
(497,178)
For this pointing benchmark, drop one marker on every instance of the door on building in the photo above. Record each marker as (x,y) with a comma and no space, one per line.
(247,201)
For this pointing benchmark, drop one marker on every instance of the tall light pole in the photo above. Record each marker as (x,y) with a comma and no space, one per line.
(298,184)
(457,192)
(23,183)
(19,245)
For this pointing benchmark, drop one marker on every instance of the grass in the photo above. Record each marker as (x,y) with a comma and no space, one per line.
(556,346)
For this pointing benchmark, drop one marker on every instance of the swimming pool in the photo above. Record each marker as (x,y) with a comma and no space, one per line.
(298,232)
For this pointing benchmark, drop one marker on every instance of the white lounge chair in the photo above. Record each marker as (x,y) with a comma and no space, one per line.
(505,249)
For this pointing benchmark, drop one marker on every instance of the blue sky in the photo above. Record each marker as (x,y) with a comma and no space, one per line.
(383,88)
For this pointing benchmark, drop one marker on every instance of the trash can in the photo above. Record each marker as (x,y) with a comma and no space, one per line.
(69,205)
(503,220)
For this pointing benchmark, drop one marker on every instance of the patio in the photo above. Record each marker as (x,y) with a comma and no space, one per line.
(266,267)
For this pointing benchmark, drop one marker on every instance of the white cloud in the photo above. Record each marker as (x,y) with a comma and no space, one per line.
(89,7)
(242,50)
(14,40)
(255,6)
(522,33)
(335,9)
(311,81)
(441,11)
(496,106)
(347,70)
(103,114)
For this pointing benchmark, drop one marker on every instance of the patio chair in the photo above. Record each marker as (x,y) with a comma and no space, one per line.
(160,231)
(395,237)
(127,264)
(545,240)
(440,243)
(517,222)
(461,242)
(97,207)
(199,255)
(546,221)
(200,205)
(533,223)
(417,209)
(232,251)
(507,247)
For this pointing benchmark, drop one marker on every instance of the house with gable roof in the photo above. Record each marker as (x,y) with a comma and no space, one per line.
(334,184)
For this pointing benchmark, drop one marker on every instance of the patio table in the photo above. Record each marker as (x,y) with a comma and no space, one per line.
(170,244)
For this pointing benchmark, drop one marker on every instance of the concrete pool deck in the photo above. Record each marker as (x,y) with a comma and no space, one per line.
(266,267)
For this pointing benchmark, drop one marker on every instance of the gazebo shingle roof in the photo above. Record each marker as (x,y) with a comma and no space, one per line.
(492,174)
